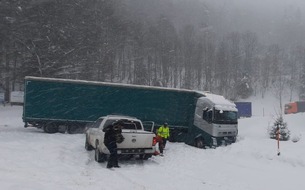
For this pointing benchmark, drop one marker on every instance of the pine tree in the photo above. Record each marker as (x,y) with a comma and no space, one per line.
(282,126)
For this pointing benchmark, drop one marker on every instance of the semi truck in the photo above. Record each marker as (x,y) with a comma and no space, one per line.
(201,119)
(294,107)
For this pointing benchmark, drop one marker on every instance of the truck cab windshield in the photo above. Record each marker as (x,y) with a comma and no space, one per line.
(225,117)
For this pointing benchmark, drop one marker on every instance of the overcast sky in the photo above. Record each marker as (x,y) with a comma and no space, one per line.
(272,20)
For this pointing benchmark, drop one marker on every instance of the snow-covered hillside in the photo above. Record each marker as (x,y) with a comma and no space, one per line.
(33,160)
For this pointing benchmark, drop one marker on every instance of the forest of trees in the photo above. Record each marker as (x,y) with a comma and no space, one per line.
(146,42)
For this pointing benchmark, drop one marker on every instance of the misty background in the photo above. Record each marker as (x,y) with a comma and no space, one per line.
(235,48)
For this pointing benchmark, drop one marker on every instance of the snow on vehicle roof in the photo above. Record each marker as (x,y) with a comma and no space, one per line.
(106,83)
(120,117)
(221,103)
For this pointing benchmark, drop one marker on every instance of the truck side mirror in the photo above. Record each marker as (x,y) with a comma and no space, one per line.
(204,115)
(209,116)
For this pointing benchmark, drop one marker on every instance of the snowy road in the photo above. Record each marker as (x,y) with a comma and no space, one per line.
(33,160)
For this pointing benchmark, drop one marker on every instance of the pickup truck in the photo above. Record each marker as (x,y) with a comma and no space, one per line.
(137,141)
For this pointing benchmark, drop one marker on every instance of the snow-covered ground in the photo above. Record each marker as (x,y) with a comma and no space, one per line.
(33,160)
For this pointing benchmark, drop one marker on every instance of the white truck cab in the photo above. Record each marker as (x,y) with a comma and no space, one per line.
(218,118)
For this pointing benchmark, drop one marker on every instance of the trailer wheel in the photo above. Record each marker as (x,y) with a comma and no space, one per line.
(87,145)
(199,143)
(75,128)
(62,128)
(50,128)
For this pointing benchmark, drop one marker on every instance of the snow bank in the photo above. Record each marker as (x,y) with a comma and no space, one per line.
(33,160)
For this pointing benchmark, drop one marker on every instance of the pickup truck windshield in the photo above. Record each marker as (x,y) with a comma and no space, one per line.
(225,117)
(126,124)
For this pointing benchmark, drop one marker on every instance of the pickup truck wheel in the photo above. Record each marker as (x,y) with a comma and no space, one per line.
(145,156)
(87,145)
(99,157)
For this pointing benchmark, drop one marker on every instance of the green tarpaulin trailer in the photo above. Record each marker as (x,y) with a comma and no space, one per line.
(53,104)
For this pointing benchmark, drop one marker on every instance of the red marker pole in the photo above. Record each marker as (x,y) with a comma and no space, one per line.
(278,140)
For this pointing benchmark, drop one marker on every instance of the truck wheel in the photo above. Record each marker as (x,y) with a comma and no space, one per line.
(199,143)
(87,145)
(145,156)
(75,128)
(72,129)
(50,128)
(99,157)
(62,128)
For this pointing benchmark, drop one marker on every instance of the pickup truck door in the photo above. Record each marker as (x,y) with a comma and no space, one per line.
(94,131)
(99,134)
(149,126)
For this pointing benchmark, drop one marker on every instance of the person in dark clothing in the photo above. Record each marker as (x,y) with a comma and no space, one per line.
(110,140)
